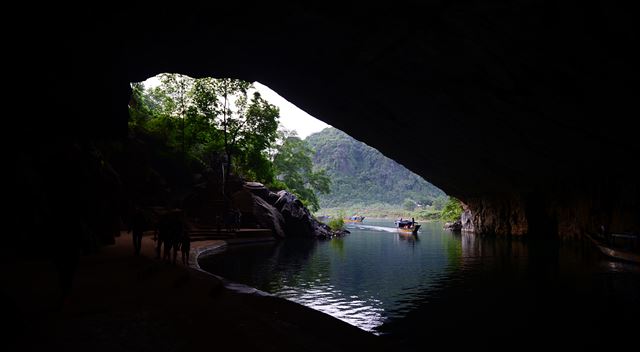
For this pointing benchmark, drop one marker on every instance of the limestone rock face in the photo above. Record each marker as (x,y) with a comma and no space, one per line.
(453,226)
(500,216)
(281,212)
(268,217)
(257,188)
(466,219)
(322,230)
(272,198)
(298,221)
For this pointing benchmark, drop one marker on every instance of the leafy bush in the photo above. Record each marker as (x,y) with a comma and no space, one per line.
(336,224)
(452,210)
(426,214)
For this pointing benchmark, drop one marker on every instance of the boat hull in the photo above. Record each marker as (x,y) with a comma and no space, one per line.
(615,253)
(409,230)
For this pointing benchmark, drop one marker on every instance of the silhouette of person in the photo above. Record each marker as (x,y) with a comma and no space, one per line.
(162,231)
(174,234)
(232,221)
(185,247)
(168,238)
(137,225)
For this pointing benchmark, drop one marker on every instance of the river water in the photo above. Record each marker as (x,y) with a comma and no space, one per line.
(460,288)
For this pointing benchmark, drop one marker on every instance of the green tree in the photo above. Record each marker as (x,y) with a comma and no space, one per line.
(440,202)
(207,116)
(294,167)
(452,210)
(248,127)
(256,138)
(177,88)
(408,204)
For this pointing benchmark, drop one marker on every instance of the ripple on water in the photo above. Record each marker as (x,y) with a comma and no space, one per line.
(374,276)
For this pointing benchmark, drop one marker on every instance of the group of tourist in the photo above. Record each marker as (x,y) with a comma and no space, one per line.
(170,231)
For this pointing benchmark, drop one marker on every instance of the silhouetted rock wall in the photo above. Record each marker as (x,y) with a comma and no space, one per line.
(505,106)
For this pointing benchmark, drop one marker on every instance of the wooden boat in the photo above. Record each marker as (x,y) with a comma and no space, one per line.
(407,226)
(614,252)
(354,219)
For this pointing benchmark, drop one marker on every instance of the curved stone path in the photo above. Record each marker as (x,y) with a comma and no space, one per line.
(124,303)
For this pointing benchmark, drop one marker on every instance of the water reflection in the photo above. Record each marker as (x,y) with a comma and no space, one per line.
(365,278)
(402,286)
(409,238)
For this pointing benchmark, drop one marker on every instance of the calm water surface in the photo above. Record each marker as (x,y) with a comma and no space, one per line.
(459,287)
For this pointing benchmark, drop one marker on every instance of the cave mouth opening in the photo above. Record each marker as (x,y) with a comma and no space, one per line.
(210,121)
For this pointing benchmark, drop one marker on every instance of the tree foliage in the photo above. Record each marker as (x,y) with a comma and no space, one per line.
(293,165)
(336,224)
(440,202)
(363,175)
(206,118)
(409,204)
(222,121)
(452,210)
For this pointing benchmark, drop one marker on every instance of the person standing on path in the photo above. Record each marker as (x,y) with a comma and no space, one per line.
(185,247)
(137,225)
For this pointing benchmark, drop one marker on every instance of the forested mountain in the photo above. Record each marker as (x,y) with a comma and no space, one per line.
(362,175)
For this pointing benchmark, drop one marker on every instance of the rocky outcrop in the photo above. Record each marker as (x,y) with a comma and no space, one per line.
(257,189)
(284,213)
(269,217)
(466,219)
(453,226)
(297,218)
(323,231)
(501,215)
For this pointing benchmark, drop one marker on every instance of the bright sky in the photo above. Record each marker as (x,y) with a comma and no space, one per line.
(291,117)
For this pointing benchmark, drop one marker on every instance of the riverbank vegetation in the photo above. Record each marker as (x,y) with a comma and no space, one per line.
(337,223)
(446,209)
(452,210)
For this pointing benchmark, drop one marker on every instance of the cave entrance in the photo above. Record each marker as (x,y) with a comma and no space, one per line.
(221,128)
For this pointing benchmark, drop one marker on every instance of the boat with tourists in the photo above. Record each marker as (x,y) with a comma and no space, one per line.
(354,219)
(407,226)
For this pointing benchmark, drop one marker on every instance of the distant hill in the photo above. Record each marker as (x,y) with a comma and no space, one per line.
(362,175)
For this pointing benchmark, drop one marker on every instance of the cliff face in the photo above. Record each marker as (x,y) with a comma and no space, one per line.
(529,103)
(361,174)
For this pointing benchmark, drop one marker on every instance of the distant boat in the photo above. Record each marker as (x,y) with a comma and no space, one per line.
(354,219)
(407,226)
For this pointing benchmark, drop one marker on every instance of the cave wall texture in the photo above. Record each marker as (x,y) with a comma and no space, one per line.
(522,109)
